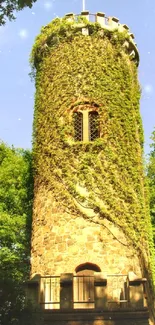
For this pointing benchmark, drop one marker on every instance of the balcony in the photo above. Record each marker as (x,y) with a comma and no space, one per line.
(96,292)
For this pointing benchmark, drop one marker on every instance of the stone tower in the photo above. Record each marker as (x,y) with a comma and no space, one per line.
(90,249)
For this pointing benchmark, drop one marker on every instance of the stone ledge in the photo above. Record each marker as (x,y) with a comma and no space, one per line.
(91,314)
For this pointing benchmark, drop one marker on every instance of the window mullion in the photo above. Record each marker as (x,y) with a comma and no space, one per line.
(85,126)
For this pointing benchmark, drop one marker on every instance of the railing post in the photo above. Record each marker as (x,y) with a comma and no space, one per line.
(136,290)
(32,291)
(66,291)
(100,283)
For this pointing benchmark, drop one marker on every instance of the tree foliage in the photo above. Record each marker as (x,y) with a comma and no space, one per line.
(16,193)
(8,7)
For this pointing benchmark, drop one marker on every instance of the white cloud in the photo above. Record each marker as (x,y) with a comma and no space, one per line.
(48,5)
(148,89)
(23,33)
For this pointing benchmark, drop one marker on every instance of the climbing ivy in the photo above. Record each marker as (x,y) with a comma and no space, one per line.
(62,30)
(73,70)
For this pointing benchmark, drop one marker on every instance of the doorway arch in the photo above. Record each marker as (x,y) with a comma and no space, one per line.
(87,266)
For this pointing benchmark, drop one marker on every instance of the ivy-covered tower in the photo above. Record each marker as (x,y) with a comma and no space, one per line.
(90,247)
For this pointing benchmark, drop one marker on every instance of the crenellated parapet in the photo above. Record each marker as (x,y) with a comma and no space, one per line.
(107,23)
(66,28)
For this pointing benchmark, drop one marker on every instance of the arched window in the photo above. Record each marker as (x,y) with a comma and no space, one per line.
(86,124)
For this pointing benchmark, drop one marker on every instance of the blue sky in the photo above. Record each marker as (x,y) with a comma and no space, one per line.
(17,38)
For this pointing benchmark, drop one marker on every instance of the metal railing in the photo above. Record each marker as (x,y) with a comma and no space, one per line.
(92,18)
(88,291)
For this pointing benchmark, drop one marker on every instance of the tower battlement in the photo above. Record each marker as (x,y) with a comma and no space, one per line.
(109,24)
(71,24)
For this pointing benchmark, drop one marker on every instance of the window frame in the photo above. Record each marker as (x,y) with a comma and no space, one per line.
(86,111)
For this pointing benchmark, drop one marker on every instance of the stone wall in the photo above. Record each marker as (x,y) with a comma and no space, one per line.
(61,242)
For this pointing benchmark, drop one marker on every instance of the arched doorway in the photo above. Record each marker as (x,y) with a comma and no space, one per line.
(84,285)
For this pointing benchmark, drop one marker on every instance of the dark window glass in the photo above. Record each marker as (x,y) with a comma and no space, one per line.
(78,126)
(93,125)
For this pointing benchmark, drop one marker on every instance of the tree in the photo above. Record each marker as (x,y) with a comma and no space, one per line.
(8,7)
(151,177)
(16,194)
